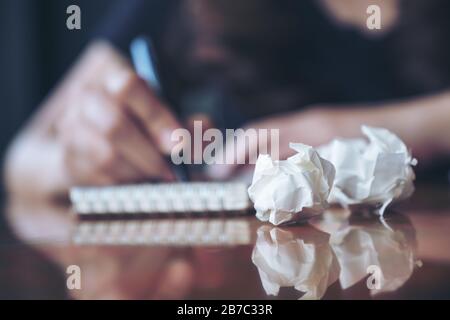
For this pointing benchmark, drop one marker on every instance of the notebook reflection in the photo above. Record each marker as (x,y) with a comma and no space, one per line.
(169,232)
(337,250)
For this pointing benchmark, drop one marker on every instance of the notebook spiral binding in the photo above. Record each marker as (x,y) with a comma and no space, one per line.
(186,198)
(171,232)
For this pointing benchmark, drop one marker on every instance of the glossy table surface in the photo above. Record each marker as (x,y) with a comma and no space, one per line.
(338,255)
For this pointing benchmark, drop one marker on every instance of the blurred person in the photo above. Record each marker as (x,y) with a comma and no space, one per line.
(311,69)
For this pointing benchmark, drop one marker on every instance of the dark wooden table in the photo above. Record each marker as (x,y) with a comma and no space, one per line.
(330,257)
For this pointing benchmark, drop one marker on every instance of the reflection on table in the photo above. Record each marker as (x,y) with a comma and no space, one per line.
(166,232)
(344,249)
(328,257)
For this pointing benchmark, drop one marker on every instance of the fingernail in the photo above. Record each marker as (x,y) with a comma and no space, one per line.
(166,140)
(117,81)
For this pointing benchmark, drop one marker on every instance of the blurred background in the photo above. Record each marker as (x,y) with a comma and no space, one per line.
(266,56)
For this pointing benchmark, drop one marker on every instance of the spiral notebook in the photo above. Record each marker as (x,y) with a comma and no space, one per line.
(177,198)
(169,232)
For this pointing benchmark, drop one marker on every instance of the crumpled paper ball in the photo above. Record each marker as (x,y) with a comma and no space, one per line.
(374,172)
(362,245)
(283,260)
(312,259)
(281,189)
(357,249)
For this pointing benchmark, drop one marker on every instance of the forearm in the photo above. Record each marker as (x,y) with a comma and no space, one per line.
(423,123)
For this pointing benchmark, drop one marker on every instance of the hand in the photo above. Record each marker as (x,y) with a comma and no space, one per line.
(422,123)
(107,272)
(131,273)
(103,125)
(313,127)
(114,129)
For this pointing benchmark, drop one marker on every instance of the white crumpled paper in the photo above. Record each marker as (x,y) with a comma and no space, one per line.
(282,189)
(374,172)
(385,252)
(312,259)
(307,264)
(371,247)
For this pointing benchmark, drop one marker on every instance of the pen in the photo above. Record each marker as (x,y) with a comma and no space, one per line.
(145,63)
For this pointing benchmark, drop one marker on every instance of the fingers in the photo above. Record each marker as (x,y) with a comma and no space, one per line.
(92,160)
(125,136)
(115,117)
(86,155)
(154,116)
(106,146)
(271,136)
